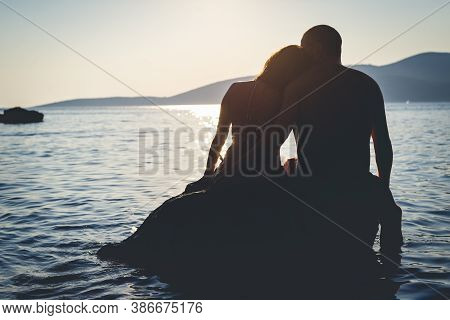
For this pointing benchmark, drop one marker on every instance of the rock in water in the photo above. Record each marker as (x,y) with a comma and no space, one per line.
(19,115)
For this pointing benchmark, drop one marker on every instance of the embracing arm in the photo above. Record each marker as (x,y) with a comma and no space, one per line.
(223,127)
(380,136)
(286,119)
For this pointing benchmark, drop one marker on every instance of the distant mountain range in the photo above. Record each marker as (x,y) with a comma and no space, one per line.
(421,78)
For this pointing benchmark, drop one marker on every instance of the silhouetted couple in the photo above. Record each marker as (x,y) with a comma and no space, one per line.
(327,200)
(333,110)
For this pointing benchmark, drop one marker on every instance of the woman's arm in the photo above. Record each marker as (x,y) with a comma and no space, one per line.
(223,127)
(380,135)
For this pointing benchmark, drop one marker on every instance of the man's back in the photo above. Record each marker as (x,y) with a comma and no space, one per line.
(338,103)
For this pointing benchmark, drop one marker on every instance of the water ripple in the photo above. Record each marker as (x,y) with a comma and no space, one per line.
(72,183)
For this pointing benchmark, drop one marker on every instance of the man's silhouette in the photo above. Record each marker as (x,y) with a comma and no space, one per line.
(344,108)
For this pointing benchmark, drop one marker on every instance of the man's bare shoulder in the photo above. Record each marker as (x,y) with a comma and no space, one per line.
(368,89)
(362,78)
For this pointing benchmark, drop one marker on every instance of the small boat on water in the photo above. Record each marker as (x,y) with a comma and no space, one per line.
(18,115)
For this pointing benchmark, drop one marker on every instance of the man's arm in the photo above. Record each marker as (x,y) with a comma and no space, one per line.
(380,136)
(223,127)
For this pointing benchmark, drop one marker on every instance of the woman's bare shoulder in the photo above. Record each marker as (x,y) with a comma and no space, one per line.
(239,92)
(238,89)
(242,85)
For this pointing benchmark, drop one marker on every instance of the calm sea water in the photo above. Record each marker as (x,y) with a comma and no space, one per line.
(86,176)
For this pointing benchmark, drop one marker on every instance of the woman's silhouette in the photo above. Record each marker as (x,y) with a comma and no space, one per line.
(193,219)
(246,107)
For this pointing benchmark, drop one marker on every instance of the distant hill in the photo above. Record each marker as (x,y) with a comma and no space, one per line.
(209,94)
(422,78)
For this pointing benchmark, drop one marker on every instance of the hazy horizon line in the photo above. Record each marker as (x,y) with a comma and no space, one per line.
(211,83)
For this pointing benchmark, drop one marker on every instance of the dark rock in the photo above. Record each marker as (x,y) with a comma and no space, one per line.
(19,115)
(240,235)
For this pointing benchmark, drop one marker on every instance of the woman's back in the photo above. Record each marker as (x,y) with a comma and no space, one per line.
(252,102)
(251,106)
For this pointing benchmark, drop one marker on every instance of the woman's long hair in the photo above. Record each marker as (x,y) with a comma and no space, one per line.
(284,66)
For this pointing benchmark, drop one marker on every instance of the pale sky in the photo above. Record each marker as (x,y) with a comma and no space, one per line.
(165,47)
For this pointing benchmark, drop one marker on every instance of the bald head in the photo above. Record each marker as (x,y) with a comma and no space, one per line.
(323,42)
